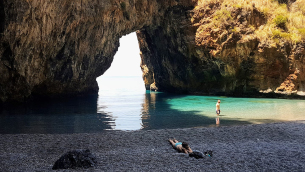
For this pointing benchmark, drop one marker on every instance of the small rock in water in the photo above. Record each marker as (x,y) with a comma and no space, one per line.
(75,158)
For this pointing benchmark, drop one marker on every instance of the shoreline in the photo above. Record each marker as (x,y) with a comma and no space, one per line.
(255,147)
(300,95)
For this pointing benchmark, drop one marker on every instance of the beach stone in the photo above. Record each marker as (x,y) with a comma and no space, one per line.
(76,158)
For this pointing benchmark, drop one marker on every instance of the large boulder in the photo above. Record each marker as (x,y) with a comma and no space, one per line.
(75,159)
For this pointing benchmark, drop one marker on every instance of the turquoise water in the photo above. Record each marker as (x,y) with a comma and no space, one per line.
(124,104)
(131,107)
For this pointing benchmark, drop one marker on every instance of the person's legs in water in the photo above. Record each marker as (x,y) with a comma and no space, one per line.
(217,112)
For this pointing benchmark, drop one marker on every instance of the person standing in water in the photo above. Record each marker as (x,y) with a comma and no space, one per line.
(218,107)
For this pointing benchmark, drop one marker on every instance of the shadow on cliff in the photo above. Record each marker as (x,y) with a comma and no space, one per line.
(2,17)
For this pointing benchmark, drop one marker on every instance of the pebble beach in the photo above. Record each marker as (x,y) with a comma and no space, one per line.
(259,147)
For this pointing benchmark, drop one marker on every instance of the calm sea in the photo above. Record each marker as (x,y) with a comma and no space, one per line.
(124,104)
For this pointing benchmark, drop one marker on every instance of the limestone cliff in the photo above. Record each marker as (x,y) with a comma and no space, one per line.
(222,48)
(59,47)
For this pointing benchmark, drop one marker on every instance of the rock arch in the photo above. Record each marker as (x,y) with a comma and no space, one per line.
(59,47)
(51,48)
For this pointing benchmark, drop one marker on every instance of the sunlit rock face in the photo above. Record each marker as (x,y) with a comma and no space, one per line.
(59,47)
(187,55)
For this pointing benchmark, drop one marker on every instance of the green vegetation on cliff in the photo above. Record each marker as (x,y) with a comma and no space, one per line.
(257,41)
(273,22)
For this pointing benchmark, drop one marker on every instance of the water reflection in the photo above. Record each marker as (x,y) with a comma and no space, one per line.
(120,98)
(158,113)
(132,108)
(217,121)
(65,115)
(122,114)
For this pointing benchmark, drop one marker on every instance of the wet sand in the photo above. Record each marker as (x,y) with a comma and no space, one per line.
(264,147)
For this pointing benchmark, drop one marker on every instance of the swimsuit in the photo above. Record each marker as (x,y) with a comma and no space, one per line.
(179,143)
(217,111)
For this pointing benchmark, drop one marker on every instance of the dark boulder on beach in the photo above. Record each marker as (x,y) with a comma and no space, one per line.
(74,159)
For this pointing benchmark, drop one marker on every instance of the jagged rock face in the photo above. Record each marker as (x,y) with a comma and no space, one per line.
(59,47)
(167,53)
(187,55)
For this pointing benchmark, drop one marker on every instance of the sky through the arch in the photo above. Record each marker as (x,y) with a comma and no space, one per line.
(127,60)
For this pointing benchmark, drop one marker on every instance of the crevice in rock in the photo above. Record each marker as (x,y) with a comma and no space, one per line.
(6,57)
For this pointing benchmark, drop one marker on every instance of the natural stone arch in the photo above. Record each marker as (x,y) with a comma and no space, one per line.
(51,48)
(59,47)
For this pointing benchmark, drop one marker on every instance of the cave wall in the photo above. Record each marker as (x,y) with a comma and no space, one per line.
(59,47)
